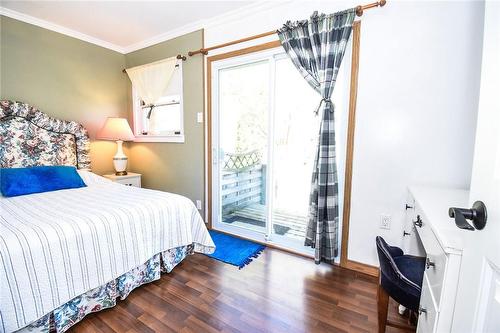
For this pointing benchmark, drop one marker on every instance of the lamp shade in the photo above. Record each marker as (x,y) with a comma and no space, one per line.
(116,129)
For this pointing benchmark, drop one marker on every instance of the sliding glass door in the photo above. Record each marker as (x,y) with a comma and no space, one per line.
(295,134)
(264,136)
(243,118)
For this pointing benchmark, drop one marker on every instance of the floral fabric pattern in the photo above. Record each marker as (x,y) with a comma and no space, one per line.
(29,137)
(105,296)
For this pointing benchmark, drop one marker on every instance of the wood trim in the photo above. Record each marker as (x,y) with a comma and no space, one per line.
(362,268)
(205,194)
(255,48)
(246,50)
(344,258)
(209,143)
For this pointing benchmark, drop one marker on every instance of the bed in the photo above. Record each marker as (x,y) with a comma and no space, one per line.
(67,253)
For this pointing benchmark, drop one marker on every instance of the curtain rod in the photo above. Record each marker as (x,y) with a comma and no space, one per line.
(204,51)
(179,56)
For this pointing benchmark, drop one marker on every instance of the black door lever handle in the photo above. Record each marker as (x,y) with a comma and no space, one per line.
(477,214)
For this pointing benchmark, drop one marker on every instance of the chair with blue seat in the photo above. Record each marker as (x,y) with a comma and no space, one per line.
(400,278)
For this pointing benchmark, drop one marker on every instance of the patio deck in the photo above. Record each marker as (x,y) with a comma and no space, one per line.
(253,216)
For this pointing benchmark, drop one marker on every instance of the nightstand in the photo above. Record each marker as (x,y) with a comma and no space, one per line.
(130,179)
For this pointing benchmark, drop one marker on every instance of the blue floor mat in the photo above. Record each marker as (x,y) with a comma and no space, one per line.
(235,251)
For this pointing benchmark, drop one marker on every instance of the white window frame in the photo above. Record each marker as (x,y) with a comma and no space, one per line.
(137,118)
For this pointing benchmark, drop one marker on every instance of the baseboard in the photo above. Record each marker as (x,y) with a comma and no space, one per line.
(360,267)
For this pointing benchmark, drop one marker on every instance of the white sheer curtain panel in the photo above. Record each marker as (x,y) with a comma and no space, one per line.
(151,80)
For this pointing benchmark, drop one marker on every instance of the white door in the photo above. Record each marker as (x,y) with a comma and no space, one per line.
(478,296)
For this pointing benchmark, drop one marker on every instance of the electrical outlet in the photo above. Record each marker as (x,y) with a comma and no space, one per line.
(198,204)
(385,221)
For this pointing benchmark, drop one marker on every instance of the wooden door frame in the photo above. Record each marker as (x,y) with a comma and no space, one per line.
(351,124)
(251,49)
(344,260)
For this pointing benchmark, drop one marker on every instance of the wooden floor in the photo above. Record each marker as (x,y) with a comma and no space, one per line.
(277,292)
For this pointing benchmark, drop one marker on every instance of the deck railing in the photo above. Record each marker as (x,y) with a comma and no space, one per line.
(243,181)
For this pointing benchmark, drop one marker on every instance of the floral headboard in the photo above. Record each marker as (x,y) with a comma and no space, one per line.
(29,137)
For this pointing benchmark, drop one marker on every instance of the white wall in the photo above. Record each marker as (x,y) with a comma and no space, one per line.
(417,101)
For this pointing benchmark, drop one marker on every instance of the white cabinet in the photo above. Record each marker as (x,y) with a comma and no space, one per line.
(442,243)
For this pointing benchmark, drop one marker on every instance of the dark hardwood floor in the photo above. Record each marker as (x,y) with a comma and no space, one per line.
(277,292)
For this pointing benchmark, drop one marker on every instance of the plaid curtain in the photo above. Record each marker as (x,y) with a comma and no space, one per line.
(316,47)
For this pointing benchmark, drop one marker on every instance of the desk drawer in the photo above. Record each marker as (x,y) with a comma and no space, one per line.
(428,311)
(436,258)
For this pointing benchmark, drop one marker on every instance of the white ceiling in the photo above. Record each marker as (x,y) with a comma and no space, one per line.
(121,25)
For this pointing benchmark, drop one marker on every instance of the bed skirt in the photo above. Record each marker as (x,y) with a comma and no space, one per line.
(105,296)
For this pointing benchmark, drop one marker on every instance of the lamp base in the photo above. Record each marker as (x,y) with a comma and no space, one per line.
(120,160)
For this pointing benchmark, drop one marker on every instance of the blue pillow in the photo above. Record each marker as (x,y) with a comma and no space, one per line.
(21,181)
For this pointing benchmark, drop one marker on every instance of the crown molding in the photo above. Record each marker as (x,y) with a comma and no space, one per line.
(164,37)
(58,28)
(230,16)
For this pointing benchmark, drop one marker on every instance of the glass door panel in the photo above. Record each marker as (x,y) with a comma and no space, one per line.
(264,134)
(295,140)
(243,112)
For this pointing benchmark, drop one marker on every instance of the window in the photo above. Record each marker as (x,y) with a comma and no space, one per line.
(164,120)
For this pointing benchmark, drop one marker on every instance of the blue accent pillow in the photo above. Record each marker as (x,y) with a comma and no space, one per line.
(21,181)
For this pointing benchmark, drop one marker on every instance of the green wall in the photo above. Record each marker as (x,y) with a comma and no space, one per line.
(71,79)
(175,167)
(66,78)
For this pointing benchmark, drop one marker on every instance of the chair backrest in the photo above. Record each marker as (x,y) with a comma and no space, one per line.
(388,267)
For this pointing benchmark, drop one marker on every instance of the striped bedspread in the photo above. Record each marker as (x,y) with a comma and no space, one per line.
(57,245)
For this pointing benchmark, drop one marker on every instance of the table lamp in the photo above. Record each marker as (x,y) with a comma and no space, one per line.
(117,129)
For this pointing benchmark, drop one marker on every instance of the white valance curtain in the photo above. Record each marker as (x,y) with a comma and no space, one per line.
(152,80)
